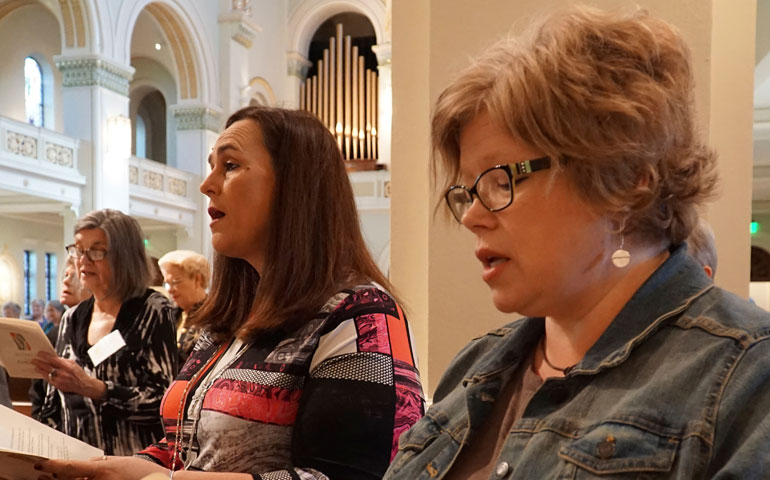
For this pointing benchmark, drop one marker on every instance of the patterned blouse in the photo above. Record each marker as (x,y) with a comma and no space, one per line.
(329,401)
(126,419)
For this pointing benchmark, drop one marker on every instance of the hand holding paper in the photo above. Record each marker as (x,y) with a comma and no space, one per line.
(20,342)
(25,442)
(69,377)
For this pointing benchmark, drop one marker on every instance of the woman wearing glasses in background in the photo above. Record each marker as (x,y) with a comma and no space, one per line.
(117,350)
(578,168)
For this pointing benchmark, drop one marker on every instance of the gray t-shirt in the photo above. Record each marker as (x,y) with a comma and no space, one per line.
(477,460)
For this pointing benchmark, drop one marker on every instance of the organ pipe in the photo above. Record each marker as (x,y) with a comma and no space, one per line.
(343,95)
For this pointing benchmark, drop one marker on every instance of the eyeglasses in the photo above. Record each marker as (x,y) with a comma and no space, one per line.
(494,187)
(93,254)
(172,283)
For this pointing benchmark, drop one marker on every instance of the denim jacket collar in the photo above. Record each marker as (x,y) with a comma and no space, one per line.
(673,286)
(669,290)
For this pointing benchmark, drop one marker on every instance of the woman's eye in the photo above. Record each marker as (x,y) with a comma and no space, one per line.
(230,166)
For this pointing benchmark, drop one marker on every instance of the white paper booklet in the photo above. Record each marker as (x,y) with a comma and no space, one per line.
(20,340)
(25,441)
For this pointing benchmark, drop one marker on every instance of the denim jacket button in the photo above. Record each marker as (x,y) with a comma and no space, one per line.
(606,449)
(501,469)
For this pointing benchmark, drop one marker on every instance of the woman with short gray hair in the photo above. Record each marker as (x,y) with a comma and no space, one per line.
(116,350)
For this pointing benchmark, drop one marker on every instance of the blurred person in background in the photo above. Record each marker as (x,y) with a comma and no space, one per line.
(186,278)
(11,310)
(72,293)
(52,315)
(37,307)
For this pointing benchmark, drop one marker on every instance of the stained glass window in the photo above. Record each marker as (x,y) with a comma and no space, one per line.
(50,277)
(30,280)
(33,91)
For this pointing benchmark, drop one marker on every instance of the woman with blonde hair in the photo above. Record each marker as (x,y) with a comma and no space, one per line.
(186,278)
(572,155)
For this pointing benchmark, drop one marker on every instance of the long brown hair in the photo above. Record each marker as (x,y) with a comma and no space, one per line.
(315,247)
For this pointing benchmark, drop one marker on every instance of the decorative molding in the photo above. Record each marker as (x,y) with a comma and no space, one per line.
(243,6)
(384,52)
(196,118)
(243,34)
(177,186)
(297,65)
(88,71)
(59,155)
(152,180)
(133,175)
(240,27)
(23,145)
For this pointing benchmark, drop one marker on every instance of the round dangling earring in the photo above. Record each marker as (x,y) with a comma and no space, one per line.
(621,257)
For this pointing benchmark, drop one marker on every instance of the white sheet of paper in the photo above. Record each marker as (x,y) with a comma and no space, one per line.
(20,341)
(109,344)
(25,441)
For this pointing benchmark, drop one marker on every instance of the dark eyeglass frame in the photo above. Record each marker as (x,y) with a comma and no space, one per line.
(515,172)
(74,252)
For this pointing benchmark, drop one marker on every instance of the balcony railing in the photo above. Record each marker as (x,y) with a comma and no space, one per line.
(162,193)
(39,162)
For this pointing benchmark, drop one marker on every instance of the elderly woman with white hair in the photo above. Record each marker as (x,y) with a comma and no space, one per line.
(116,350)
(186,277)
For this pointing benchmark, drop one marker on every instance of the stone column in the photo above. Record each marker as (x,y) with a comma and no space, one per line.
(297,66)
(385,105)
(236,36)
(94,105)
(197,128)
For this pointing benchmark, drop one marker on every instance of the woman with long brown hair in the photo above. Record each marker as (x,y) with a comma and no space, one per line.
(305,368)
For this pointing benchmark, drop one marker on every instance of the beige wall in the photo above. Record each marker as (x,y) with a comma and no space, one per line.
(18,235)
(30,30)
(432,262)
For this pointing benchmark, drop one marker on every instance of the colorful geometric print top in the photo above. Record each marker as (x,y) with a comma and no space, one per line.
(328,401)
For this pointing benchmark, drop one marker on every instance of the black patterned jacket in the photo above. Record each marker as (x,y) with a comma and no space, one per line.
(137,376)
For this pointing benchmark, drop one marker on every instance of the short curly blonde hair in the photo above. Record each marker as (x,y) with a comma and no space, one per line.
(192,263)
(608,96)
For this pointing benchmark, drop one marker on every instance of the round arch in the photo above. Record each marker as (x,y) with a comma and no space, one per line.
(310,14)
(183,29)
(258,87)
(75,19)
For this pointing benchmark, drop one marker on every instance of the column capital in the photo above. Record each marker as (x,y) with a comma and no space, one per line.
(384,52)
(196,116)
(297,64)
(94,70)
(240,27)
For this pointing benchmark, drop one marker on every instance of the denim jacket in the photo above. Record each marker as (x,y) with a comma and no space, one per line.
(678,386)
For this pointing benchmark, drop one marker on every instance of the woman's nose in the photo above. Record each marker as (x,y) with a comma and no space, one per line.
(208,186)
(477,216)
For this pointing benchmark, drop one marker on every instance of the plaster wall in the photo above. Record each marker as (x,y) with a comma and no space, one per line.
(267,57)
(18,235)
(152,75)
(29,31)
